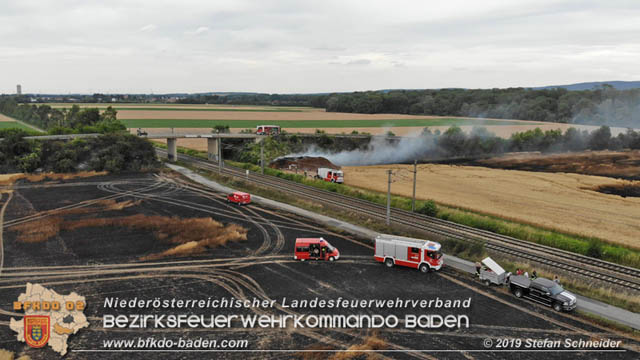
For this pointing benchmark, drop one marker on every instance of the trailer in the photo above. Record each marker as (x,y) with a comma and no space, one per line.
(423,255)
(331,175)
(492,273)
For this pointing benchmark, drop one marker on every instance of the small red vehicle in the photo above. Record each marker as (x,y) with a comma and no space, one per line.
(239,198)
(315,249)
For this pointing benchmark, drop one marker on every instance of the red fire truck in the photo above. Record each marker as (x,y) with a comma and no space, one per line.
(239,198)
(331,175)
(315,249)
(419,254)
(267,130)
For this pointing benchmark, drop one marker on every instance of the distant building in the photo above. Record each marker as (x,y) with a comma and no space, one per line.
(19,89)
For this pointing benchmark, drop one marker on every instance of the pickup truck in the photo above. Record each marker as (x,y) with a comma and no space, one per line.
(543,291)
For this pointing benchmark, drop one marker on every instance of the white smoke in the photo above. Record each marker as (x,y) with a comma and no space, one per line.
(379,151)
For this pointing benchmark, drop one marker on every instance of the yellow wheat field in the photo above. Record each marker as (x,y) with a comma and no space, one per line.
(557,201)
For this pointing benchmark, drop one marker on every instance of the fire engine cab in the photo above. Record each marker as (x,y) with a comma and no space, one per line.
(331,175)
(239,198)
(423,255)
(267,130)
(315,249)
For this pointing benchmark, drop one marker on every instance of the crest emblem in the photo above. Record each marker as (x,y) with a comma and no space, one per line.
(36,330)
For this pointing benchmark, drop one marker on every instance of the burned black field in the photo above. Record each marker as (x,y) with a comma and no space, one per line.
(152,236)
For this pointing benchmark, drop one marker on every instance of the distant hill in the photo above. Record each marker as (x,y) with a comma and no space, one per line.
(619,85)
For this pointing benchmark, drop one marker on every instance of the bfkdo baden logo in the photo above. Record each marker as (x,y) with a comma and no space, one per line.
(36,330)
(49,318)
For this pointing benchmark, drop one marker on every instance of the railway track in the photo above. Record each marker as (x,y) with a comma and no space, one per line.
(623,276)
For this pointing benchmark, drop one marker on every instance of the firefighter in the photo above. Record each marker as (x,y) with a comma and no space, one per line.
(534,275)
(324,252)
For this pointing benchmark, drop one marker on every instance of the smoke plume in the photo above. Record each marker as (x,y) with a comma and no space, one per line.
(380,150)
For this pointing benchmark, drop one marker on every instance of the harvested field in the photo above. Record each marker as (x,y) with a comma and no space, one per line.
(45,228)
(101,262)
(190,236)
(384,122)
(274,116)
(563,202)
(631,189)
(7,178)
(11,178)
(620,164)
(358,351)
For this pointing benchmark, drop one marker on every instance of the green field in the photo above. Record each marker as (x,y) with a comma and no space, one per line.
(186,107)
(14,125)
(190,123)
(200,109)
(194,109)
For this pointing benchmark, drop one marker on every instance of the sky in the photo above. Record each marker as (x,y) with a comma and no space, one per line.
(296,46)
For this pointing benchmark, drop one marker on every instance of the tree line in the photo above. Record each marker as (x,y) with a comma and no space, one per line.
(602,106)
(63,121)
(109,152)
(113,151)
(456,143)
(254,99)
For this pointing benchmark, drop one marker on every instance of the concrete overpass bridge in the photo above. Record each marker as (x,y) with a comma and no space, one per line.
(214,142)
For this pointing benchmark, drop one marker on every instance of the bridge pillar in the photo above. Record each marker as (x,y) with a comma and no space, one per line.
(172,149)
(212,149)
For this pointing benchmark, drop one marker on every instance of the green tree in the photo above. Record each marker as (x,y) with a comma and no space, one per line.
(110,114)
(28,163)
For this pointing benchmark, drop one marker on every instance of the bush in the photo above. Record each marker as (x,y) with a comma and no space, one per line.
(595,249)
(466,249)
(30,162)
(223,129)
(428,208)
(65,165)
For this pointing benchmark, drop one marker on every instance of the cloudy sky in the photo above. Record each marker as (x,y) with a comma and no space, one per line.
(131,46)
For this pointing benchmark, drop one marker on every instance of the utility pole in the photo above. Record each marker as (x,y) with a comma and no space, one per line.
(415,172)
(219,154)
(262,157)
(389,198)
